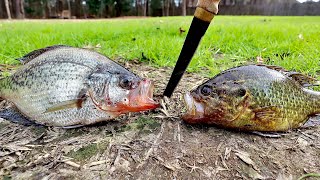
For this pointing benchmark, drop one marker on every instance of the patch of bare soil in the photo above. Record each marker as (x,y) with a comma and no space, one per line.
(155,145)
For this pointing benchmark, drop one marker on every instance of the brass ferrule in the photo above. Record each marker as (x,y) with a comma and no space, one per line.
(203,14)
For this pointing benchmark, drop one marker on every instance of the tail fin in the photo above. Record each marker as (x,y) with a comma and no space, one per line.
(2,86)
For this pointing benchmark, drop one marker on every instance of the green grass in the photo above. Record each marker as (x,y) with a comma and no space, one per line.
(143,124)
(84,153)
(230,41)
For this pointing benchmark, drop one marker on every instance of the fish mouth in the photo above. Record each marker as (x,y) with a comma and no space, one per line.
(141,98)
(195,110)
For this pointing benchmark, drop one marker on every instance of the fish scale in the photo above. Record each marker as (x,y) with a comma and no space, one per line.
(273,100)
(52,88)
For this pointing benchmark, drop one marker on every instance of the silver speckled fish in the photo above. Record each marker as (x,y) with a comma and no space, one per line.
(67,86)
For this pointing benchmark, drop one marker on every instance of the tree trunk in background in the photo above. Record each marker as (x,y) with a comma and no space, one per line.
(2,9)
(22,9)
(48,9)
(184,7)
(102,7)
(19,9)
(69,8)
(173,6)
(146,8)
(166,7)
(44,12)
(118,8)
(136,6)
(6,2)
(78,8)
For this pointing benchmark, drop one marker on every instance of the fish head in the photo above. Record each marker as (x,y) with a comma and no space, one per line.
(216,102)
(128,93)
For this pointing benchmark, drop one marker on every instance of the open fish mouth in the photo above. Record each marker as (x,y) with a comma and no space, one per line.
(141,98)
(195,109)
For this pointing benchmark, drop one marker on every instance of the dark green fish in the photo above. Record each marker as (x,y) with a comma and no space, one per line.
(254,98)
(66,86)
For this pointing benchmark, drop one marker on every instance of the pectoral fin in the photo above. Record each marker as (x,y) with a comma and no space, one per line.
(266,114)
(77,103)
(73,103)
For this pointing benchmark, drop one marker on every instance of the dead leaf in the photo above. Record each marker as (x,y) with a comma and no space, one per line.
(92,47)
(14,147)
(181,30)
(227,153)
(302,143)
(73,164)
(259,60)
(254,174)
(245,157)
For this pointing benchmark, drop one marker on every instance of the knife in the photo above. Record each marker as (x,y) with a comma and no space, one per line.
(203,15)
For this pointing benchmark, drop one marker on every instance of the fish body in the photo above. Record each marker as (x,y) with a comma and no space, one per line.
(254,98)
(67,86)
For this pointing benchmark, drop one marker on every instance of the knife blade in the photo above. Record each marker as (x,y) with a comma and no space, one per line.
(199,25)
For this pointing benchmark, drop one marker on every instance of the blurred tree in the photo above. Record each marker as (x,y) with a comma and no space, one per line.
(111,8)
(146,8)
(156,7)
(166,7)
(122,6)
(6,2)
(184,7)
(94,6)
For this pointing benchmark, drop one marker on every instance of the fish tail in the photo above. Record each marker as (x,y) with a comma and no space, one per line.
(3,86)
(314,101)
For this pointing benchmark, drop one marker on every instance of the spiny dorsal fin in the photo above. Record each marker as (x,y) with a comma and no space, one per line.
(273,67)
(303,80)
(28,57)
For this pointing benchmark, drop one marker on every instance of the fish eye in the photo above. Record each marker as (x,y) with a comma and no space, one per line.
(241,92)
(206,90)
(126,83)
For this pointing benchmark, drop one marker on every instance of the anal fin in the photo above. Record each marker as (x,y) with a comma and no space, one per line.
(13,115)
(73,126)
(312,122)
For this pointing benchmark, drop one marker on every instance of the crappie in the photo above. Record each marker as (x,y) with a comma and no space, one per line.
(67,86)
(254,98)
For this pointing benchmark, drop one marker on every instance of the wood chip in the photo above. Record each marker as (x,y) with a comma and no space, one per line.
(73,164)
(245,157)
(96,163)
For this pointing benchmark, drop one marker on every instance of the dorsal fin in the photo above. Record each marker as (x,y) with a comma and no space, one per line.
(274,67)
(28,57)
(302,79)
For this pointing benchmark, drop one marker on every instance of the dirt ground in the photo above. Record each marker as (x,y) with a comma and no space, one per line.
(155,145)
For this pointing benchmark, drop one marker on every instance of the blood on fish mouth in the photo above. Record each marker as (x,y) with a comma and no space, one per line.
(141,98)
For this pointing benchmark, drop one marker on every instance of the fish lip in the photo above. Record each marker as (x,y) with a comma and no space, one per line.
(141,98)
(195,109)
